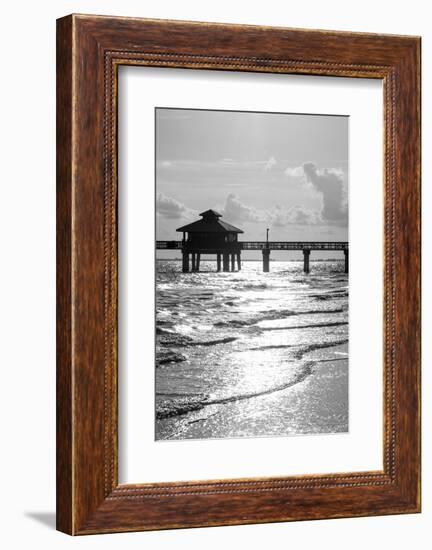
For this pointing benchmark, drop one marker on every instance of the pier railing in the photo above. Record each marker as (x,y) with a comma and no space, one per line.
(265,246)
(293,245)
(169,245)
(271,245)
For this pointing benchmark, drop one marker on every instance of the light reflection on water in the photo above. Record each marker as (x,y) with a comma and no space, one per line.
(251,353)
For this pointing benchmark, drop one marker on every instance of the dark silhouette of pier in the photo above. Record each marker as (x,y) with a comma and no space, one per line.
(210,235)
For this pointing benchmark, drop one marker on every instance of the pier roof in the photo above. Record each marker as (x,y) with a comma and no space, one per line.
(211,214)
(210,223)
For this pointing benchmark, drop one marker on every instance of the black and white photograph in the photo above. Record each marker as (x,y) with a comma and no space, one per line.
(252,260)
(216,275)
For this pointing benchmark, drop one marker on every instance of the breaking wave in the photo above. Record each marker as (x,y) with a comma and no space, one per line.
(315,325)
(274,315)
(167,409)
(228,337)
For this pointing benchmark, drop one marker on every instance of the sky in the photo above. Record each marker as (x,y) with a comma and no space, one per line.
(285,172)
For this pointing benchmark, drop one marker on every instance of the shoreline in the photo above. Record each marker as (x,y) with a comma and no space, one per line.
(261,356)
(305,405)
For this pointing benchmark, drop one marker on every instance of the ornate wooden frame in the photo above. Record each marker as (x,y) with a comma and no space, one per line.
(89,51)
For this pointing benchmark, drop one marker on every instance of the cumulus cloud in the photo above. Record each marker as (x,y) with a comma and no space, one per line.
(296,172)
(295,215)
(269,164)
(170,208)
(329,183)
(234,210)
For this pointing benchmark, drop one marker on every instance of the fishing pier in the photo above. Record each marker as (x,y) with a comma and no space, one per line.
(211,235)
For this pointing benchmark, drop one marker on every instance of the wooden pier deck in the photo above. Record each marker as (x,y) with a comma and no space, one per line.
(265,246)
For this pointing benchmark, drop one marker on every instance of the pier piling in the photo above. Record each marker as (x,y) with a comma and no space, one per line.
(209,236)
(306,255)
(225,261)
(266,260)
(185,264)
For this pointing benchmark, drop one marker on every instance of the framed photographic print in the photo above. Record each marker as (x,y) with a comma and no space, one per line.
(238,254)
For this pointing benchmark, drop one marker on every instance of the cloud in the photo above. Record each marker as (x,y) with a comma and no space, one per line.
(329,183)
(295,215)
(235,210)
(296,172)
(269,164)
(170,208)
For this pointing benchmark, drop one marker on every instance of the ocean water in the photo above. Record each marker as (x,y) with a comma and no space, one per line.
(251,354)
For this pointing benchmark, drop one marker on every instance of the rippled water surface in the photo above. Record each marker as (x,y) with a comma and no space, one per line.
(251,354)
